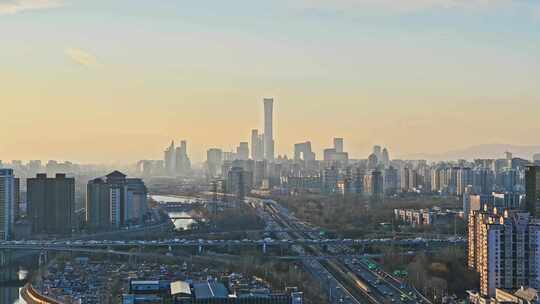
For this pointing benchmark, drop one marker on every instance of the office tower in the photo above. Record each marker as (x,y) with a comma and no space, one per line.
(532,189)
(377,151)
(338,145)
(17,205)
(464,179)
(114,201)
(242,151)
(358,180)
(405,176)
(503,249)
(373,161)
(7,203)
(302,151)
(214,160)
(170,160)
(330,179)
(331,155)
(51,204)
(257,145)
(182,163)
(385,158)
(268,129)
(390,181)
(328,154)
(377,185)
(239,182)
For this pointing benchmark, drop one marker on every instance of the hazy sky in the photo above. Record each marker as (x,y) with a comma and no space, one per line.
(116,80)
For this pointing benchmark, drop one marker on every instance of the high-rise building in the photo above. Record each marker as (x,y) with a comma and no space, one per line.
(503,249)
(268,129)
(51,204)
(483,180)
(378,152)
(464,179)
(242,151)
(182,163)
(436,179)
(214,160)
(390,181)
(377,185)
(385,158)
(7,203)
(532,189)
(302,151)
(239,182)
(114,201)
(170,159)
(17,207)
(338,145)
(373,161)
(405,179)
(257,145)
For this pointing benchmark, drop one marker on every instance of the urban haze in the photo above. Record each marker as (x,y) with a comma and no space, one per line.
(276,152)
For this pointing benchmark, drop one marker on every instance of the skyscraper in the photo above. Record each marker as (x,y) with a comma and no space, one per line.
(170,159)
(51,203)
(257,145)
(268,129)
(378,152)
(182,163)
(532,189)
(239,182)
(242,151)
(338,145)
(214,160)
(7,203)
(385,158)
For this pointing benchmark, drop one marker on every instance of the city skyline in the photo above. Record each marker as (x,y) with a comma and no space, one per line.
(430,76)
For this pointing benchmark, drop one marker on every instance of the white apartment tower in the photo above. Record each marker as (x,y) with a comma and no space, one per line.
(504,248)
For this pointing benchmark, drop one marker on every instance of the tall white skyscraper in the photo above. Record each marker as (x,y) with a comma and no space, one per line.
(7,203)
(268,129)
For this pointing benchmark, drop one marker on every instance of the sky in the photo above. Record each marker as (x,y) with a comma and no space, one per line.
(116,81)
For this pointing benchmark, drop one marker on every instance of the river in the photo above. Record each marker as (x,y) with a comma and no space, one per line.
(12,275)
(182,220)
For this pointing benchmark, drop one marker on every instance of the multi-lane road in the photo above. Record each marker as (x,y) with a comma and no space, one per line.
(348,279)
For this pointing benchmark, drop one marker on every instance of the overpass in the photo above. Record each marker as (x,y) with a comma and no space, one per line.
(51,245)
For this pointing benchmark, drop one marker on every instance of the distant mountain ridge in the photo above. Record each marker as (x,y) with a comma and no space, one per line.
(480,151)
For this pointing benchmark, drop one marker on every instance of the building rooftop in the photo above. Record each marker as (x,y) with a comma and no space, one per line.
(180,287)
(210,290)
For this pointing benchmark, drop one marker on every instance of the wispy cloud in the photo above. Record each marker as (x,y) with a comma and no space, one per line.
(10,7)
(82,58)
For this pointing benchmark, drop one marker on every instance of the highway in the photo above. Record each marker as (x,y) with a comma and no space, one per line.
(355,280)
